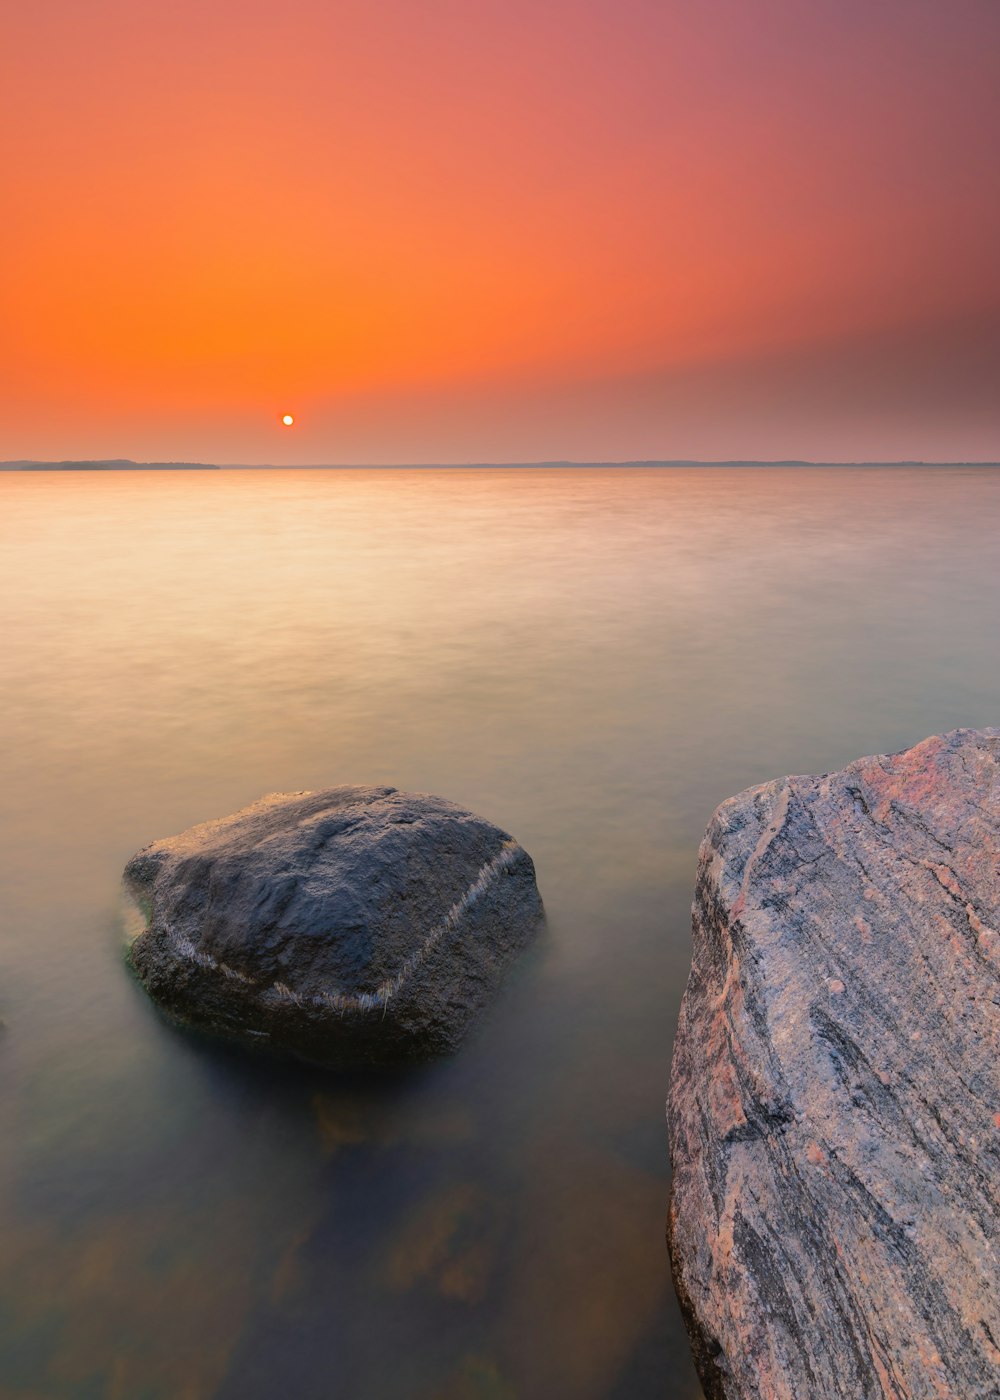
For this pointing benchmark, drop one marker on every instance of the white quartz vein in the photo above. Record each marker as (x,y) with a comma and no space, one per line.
(360,1001)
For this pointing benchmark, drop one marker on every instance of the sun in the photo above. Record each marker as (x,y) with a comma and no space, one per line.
(287,419)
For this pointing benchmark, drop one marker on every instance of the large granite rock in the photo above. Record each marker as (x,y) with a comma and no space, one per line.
(358,925)
(835,1094)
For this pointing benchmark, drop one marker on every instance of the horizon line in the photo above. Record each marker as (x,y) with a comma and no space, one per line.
(128,464)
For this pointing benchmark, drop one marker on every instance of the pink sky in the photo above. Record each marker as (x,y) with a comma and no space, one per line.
(501,231)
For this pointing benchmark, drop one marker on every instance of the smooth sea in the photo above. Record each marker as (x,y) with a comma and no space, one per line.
(591,658)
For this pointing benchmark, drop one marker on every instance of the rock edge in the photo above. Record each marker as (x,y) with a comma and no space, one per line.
(834,1111)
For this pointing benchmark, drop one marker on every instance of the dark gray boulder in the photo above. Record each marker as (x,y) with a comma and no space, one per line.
(835,1095)
(357,925)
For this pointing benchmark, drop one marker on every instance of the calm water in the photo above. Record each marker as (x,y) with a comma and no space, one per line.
(593,659)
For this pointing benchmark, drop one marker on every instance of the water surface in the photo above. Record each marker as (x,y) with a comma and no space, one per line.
(593,659)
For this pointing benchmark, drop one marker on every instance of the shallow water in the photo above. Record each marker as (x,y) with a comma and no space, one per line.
(591,658)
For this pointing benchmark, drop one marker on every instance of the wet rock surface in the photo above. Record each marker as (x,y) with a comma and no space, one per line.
(352,926)
(835,1094)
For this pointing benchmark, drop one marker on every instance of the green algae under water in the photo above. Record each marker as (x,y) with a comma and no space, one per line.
(592,659)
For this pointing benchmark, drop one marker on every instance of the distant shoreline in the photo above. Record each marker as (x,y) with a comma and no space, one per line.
(120,464)
(124,464)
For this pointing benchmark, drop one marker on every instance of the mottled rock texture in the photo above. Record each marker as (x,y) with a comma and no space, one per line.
(358,925)
(835,1094)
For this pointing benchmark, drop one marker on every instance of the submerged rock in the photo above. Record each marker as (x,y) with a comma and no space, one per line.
(835,1093)
(358,925)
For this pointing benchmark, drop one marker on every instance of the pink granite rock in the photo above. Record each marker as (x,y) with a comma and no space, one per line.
(835,1094)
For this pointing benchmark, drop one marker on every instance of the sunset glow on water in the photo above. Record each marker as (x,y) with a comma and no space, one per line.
(593,659)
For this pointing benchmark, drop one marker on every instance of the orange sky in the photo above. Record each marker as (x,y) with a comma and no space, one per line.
(500,230)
